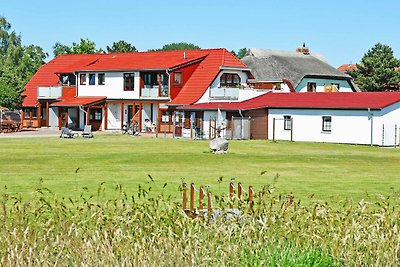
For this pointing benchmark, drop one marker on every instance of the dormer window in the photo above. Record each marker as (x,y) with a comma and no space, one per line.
(67,79)
(92,79)
(177,78)
(82,79)
(229,80)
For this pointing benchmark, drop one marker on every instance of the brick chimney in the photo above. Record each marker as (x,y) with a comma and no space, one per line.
(304,49)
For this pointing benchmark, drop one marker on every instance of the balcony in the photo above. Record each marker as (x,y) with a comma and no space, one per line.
(224,93)
(51,92)
(155,91)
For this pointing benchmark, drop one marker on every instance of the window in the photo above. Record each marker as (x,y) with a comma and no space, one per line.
(82,79)
(129,81)
(96,114)
(229,80)
(311,87)
(92,79)
(287,122)
(30,111)
(101,79)
(326,123)
(178,78)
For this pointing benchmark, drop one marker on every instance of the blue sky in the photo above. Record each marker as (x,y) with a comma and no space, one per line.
(341,30)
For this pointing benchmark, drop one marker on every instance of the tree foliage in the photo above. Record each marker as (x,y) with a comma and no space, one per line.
(121,46)
(376,72)
(85,46)
(178,46)
(17,65)
(240,54)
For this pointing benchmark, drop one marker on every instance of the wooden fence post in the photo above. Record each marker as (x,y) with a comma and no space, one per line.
(231,186)
(240,190)
(184,188)
(251,196)
(201,196)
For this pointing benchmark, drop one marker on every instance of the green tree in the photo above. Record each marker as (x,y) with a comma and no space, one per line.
(85,46)
(59,49)
(240,54)
(121,46)
(17,65)
(178,46)
(376,71)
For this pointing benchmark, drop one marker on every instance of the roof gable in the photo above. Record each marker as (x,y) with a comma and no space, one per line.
(205,74)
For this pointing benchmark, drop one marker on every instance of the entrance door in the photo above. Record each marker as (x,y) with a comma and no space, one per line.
(43,112)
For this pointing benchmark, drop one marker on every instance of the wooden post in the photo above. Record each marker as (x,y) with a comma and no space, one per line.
(201,196)
(106,116)
(66,117)
(231,186)
(87,121)
(122,115)
(191,212)
(240,189)
(60,115)
(39,115)
(251,196)
(184,201)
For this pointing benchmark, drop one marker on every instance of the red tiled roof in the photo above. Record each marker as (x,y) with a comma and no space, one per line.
(79,101)
(205,74)
(347,67)
(46,76)
(211,61)
(353,100)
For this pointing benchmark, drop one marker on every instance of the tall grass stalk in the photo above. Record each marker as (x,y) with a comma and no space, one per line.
(151,230)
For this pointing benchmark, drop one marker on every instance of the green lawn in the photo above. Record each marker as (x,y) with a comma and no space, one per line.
(328,172)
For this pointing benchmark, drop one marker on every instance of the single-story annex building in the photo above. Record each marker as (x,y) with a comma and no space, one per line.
(371,118)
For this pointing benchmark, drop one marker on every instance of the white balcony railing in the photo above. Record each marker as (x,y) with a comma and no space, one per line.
(155,91)
(50,92)
(230,93)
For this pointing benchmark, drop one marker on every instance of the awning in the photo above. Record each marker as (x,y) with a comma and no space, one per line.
(79,101)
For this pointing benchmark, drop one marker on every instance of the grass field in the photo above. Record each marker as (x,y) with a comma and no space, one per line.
(328,172)
(80,202)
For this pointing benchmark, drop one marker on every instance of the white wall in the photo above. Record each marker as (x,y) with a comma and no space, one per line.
(53,117)
(244,93)
(114,116)
(113,87)
(302,87)
(348,126)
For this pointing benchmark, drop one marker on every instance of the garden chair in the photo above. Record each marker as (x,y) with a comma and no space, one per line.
(67,133)
(87,131)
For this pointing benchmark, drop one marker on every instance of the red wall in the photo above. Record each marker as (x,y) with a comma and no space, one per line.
(186,73)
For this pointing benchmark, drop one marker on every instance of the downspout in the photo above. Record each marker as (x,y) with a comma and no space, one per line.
(371,116)
(84,111)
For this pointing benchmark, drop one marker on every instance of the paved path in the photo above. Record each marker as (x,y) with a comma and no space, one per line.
(48,132)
